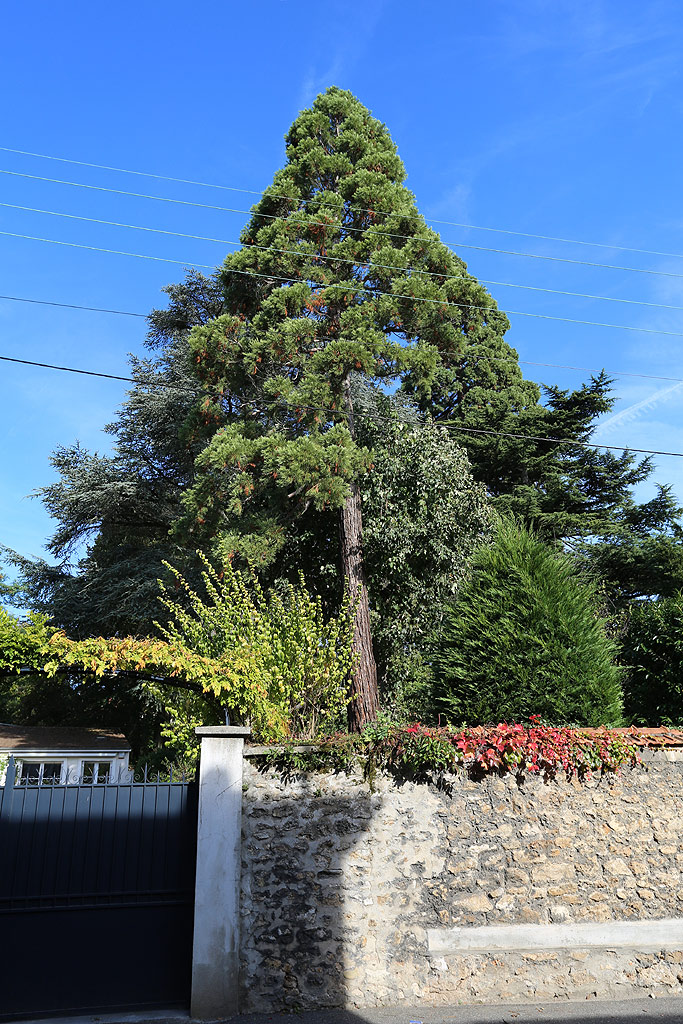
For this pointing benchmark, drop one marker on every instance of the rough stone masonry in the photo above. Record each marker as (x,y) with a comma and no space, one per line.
(358,898)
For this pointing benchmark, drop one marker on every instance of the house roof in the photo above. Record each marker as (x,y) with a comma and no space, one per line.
(60,738)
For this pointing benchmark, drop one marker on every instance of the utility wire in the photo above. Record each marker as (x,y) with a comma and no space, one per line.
(355,209)
(314,257)
(373,232)
(559,440)
(71,305)
(526,362)
(593,369)
(93,373)
(119,252)
(357,290)
(337,412)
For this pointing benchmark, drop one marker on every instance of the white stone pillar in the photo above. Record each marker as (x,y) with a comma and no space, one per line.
(216,946)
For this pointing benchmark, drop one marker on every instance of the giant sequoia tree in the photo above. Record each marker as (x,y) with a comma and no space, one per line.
(338,275)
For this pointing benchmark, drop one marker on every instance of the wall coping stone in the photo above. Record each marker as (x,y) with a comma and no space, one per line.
(223,730)
(654,740)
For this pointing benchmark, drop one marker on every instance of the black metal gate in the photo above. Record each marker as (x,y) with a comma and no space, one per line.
(96,896)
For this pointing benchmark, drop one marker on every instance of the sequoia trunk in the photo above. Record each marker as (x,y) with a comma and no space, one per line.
(364,705)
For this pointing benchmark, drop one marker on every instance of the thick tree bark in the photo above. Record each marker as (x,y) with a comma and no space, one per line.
(365,703)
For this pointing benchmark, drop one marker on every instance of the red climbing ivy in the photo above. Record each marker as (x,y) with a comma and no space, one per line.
(419,751)
(536,748)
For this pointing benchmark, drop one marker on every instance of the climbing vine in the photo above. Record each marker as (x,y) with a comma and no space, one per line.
(273,659)
(422,752)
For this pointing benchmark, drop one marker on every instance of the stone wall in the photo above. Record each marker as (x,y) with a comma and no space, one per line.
(360,899)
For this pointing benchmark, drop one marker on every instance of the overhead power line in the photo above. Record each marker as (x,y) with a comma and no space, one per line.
(368,231)
(71,305)
(526,362)
(120,252)
(594,369)
(341,259)
(350,287)
(559,440)
(337,412)
(356,209)
(91,373)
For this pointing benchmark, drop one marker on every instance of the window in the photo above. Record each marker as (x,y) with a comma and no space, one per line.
(96,772)
(40,773)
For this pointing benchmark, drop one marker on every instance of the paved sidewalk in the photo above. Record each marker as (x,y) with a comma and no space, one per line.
(667,1010)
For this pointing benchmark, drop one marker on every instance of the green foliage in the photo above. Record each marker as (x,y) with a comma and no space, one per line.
(427,754)
(21,644)
(36,645)
(7,590)
(652,652)
(560,490)
(336,228)
(298,661)
(338,274)
(274,660)
(114,512)
(48,679)
(275,354)
(581,495)
(180,711)
(639,554)
(524,637)
(255,467)
(423,516)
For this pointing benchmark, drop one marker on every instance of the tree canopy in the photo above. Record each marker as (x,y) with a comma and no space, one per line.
(306,407)
(274,659)
(338,274)
(652,655)
(114,512)
(424,515)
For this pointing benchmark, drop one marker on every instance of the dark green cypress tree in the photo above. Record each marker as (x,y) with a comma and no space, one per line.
(524,637)
(338,275)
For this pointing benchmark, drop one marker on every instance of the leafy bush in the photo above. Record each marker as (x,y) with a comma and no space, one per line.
(298,663)
(423,517)
(523,637)
(275,661)
(652,651)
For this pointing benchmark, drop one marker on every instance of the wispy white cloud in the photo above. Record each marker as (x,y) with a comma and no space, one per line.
(633,412)
(590,29)
(317,81)
(613,63)
(346,55)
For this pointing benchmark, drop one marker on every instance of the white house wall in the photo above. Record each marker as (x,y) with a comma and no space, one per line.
(72,763)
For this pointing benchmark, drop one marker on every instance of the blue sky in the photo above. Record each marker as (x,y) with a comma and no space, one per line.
(555,118)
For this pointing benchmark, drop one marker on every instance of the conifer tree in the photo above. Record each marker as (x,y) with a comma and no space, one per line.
(338,275)
(113,513)
(524,637)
